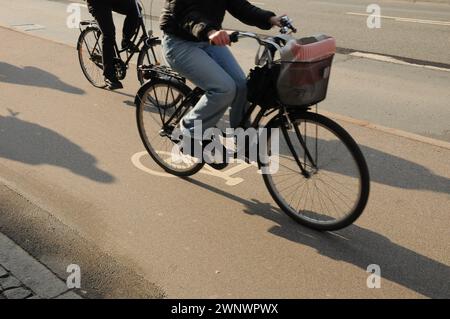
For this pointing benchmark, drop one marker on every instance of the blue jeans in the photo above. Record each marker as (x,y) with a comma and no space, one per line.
(215,70)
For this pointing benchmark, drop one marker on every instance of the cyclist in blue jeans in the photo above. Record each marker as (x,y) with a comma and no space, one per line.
(194,44)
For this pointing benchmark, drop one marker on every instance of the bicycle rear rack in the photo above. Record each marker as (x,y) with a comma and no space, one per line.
(160,71)
(84,24)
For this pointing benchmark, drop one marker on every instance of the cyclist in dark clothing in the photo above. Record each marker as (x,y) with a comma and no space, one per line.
(193,19)
(102,12)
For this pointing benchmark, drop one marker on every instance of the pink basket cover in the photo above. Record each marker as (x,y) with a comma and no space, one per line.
(313,51)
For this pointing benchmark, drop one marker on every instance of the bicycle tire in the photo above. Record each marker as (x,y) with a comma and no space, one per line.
(307,216)
(158,155)
(94,74)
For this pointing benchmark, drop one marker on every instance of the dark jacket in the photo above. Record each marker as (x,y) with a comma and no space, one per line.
(193,19)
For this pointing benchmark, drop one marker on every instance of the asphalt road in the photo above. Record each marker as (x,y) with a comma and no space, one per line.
(425,36)
(68,147)
(409,29)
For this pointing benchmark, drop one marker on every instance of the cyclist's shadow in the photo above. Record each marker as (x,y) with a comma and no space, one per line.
(32,76)
(355,245)
(33,144)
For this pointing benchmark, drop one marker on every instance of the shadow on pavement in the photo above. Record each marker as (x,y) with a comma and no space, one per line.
(357,246)
(384,168)
(129,103)
(33,144)
(398,172)
(33,76)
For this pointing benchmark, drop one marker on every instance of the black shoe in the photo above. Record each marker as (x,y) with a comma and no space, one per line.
(113,84)
(129,46)
(219,166)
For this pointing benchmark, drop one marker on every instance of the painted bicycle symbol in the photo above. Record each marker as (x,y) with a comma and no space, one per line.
(229,175)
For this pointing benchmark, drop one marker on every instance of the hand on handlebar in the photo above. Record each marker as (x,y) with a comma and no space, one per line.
(223,38)
(220,38)
(277,20)
(286,25)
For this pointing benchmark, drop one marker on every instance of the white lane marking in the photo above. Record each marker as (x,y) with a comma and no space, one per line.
(400,19)
(257,3)
(28,27)
(227,175)
(383,58)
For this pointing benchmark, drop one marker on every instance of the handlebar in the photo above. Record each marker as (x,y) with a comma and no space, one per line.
(271,44)
(286,27)
(235,36)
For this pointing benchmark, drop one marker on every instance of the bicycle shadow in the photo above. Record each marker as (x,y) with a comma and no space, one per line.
(385,168)
(33,144)
(129,103)
(32,76)
(357,246)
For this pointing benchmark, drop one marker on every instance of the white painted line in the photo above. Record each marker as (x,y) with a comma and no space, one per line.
(383,58)
(400,19)
(28,27)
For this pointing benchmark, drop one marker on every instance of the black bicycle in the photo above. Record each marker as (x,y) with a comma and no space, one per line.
(90,51)
(320,179)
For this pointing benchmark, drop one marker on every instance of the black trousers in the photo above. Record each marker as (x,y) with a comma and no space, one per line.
(102,12)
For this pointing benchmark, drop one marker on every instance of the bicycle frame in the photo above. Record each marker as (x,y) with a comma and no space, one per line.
(282,119)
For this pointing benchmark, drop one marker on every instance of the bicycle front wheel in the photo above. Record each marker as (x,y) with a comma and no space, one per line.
(160,105)
(319,176)
(147,58)
(90,56)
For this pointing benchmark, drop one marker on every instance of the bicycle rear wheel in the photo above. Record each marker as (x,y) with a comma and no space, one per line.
(333,189)
(156,103)
(90,56)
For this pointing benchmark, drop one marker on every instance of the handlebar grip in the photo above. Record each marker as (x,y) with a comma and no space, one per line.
(234,37)
(286,22)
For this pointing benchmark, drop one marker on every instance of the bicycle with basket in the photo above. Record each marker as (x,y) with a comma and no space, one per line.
(321,178)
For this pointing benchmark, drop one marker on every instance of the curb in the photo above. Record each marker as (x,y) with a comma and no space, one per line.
(23,277)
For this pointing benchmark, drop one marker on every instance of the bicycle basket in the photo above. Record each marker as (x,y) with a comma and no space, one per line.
(305,68)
